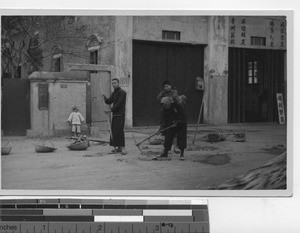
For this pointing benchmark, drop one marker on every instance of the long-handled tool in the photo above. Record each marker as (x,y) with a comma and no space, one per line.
(106,112)
(152,135)
(198,121)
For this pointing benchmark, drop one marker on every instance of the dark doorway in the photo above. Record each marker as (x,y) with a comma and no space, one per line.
(154,62)
(15,106)
(255,76)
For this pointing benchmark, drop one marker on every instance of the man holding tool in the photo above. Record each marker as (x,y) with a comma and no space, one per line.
(174,113)
(118,101)
(167,91)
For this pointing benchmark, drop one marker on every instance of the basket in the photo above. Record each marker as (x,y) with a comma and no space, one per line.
(240,137)
(42,148)
(214,137)
(158,140)
(5,150)
(79,145)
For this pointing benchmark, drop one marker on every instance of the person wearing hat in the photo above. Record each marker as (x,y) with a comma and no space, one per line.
(118,101)
(75,120)
(174,114)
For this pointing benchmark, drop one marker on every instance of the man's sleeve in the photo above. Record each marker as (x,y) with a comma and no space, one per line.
(109,100)
(159,97)
(120,102)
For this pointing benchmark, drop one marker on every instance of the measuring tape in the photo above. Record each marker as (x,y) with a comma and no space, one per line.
(102,216)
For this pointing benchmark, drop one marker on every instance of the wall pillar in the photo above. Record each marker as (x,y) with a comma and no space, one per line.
(216,71)
(123,60)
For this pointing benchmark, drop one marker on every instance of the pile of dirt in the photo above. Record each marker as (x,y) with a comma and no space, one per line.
(216,160)
(202,148)
(276,150)
(94,155)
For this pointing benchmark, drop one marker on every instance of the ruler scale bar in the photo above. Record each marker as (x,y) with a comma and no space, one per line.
(103,227)
(51,215)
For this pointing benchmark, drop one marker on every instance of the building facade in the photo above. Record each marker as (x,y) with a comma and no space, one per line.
(235,65)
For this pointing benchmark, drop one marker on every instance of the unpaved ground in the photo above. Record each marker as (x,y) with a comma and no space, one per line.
(206,163)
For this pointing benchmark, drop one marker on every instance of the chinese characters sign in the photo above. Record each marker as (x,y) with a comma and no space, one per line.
(257,32)
(280,106)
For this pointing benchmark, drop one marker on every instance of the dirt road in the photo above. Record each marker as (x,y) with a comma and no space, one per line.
(206,163)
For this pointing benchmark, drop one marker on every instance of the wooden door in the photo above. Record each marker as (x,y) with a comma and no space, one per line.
(98,116)
(255,91)
(154,62)
(254,78)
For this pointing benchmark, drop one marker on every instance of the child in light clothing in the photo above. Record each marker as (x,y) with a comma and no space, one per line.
(75,120)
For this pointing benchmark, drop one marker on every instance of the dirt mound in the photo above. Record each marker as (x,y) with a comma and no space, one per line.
(201,148)
(216,160)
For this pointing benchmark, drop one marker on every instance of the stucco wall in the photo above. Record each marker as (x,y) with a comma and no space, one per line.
(216,72)
(63,95)
(193,28)
(123,60)
(272,28)
(38,118)
(62,100)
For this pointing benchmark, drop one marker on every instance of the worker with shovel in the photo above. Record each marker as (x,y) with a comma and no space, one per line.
(174,113)
(118,101)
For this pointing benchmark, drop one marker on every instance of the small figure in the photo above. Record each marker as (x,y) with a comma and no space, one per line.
(75,120)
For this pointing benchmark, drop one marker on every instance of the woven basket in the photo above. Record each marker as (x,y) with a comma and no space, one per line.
(79,145)
(5,150)
(44,147)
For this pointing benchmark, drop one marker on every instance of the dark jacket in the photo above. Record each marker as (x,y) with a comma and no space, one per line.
(118,99)
(173,94)
(176,113)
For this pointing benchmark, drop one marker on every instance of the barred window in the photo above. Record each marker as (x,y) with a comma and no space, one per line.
(258,40)
(170,35)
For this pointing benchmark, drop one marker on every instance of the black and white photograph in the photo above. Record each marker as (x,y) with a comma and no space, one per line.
(144,102)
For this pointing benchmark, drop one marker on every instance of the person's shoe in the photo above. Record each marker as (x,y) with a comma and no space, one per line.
(176,150)
(182,156)
(115,151)
(163,155)
(123,151)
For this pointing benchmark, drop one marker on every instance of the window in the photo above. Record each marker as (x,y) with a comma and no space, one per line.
(94,57)
(258,40)
(56,64)
(93,46)
(57,59)
(43,96)
(253,74)
(170,35)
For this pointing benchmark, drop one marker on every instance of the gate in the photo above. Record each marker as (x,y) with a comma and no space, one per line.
(15,112)
(154,62)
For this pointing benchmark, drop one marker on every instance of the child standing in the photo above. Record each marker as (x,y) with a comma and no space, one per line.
(75,120)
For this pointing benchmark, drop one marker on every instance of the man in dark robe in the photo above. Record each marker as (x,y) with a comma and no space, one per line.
(118,101)
(174,113)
